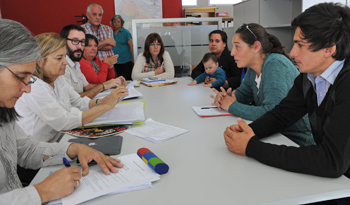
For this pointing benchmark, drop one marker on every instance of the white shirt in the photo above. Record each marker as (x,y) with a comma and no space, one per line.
(258,80)
(45,110)
(74,76)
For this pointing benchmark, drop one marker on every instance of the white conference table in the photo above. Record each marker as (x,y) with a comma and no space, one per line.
(202,169)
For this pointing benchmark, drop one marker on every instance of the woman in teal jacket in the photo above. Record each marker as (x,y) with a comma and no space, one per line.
(269,77)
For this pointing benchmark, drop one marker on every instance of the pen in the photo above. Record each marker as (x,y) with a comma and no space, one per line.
(207,107)
(66,162)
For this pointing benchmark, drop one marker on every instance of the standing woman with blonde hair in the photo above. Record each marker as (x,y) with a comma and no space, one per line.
(154,61)
(53,105)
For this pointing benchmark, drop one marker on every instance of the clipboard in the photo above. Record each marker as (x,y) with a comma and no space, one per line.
(158,84)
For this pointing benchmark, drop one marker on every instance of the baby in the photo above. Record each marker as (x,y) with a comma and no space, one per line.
(212,70)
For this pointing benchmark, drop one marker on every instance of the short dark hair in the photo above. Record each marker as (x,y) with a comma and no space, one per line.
(65,30)
(150,39)
(88,37)
(209,56)
(222,34)
(324,25)
(252,32)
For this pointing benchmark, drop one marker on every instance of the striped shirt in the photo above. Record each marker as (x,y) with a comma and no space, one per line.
(104,32)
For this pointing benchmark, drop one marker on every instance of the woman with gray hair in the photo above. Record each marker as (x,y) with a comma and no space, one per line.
(124,48)
(19,53)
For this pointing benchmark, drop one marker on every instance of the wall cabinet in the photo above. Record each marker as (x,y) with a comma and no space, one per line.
(274,15)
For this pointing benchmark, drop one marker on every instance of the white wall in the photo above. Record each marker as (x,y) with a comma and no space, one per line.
(308,3)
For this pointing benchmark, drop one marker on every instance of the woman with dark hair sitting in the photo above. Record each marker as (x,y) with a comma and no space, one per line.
(269,77)
(95,70)
(154,61)
(218,46)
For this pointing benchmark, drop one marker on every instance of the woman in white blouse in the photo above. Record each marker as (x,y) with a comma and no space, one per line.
(154,61)
(53,105)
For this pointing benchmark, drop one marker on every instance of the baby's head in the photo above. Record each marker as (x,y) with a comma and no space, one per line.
(210,62)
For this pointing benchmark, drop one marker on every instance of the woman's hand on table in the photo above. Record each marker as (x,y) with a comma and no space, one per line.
(223,100)
(59,184)
(86,154)
(62,182)
(112,99)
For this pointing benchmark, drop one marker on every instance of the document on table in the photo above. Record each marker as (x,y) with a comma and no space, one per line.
(134,172)
(129,189)
(155,131)
(167,81)
(133,93)
(153,80)
(122,113)
(210,111)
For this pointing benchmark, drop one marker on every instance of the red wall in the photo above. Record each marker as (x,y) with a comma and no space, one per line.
(41,16)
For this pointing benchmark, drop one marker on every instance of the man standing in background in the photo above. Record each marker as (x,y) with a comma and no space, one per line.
(103,33)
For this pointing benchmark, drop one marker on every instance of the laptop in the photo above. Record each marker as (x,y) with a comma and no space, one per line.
(109,145)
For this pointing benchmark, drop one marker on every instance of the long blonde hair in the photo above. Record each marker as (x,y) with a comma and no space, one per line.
(48,43)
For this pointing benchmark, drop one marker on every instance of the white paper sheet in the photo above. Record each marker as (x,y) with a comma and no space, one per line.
(122,113)
(159,82)
(156,131)
(129,189)
(210,111)
(97,183)
(133,93)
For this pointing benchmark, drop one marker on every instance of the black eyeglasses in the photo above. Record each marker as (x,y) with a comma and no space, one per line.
(245,26)
(76,41)
(20,79)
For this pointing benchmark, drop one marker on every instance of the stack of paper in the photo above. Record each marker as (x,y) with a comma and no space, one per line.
(152,80)
(122,113)
(155,131)
(133,93)
(129,189)
(210,111)
(136,83)
(135,175)
(163,82)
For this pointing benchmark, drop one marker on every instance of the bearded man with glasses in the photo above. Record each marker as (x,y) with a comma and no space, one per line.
(75,36)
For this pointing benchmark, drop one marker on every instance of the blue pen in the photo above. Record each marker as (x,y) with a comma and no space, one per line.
(66,162)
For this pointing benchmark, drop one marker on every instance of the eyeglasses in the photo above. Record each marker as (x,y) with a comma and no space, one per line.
(20,79)
(155,44)
(245,26)
(76,41)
